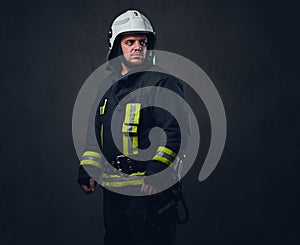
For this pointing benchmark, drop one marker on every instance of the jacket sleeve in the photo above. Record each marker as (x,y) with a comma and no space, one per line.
(167,155)
(90,162)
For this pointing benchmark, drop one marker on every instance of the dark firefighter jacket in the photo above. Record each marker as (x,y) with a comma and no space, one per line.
(132,133)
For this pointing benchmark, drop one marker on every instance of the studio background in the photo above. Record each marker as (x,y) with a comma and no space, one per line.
(250,51)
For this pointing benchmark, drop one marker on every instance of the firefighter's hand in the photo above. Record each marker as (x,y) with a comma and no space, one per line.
(89,189)
(149,189)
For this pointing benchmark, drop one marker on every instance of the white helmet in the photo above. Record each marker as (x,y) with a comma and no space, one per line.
(132,21)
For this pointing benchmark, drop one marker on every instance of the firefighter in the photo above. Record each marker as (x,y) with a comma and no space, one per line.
(145,218)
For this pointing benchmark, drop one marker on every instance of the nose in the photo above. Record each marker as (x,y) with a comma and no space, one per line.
(137,46)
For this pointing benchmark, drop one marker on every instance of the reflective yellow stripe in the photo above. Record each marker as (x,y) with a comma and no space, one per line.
(135,144)
(101,135)
(131,120)
(125,145)
(111,175)
(102,108)
(129,128)
(90,162)
(167,151)
(138,174)
(116,180)
(137,113)
(122,183)
(162,159)
(119,176)
(127,113)
(91,153)
(132,113)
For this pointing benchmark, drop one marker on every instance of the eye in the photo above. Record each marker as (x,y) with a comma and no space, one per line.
(129,42)
(143,42)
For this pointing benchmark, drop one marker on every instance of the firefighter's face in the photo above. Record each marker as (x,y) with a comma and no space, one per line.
(134,47)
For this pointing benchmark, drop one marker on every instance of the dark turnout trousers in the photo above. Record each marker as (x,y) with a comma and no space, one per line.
(134,220)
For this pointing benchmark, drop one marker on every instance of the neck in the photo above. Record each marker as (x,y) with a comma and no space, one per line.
(125,69)
(128,68)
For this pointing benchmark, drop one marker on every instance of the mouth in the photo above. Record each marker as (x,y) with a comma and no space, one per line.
(137,56)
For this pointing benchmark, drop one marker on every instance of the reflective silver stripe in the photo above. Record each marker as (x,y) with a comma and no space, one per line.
(91,158)
(132,114)
(91,153)
(167,150)
(165,155)
(130,145)
(90,162)
(117,175)
(120,184)
(115,180)
(162,159)
(129,128)
(131,120)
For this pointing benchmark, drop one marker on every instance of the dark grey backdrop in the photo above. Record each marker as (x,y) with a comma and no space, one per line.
(248,48)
